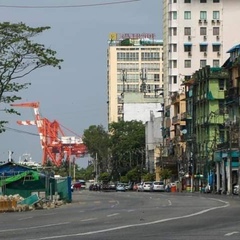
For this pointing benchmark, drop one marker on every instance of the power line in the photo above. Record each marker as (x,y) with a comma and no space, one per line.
(70,6)
(20,131)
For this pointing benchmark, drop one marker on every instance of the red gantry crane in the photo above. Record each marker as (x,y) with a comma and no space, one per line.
(55,144)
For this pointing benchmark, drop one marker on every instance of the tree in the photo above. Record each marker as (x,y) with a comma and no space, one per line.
(19,56)
(96,140)
(127,144)
(165,174)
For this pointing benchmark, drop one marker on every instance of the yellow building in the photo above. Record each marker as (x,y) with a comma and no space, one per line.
(134,64)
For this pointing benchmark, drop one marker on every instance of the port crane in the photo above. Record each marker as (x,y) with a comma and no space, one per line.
(56,146)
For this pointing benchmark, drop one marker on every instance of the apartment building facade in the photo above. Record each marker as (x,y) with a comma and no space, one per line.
(134,65)
(196,33)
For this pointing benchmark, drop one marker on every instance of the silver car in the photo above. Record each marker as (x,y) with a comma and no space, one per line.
(147,186)
(158,186)
(236,190)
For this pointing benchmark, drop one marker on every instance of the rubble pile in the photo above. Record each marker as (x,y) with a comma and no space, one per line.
(11,203)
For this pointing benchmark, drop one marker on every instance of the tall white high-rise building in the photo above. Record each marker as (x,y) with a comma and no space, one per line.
(196,33)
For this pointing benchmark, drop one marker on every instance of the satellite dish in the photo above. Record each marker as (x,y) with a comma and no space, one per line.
(184,131)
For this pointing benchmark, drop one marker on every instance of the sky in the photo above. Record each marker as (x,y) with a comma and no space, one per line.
(76,95)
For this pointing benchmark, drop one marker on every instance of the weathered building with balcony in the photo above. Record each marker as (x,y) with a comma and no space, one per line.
(228,150)
(205,117)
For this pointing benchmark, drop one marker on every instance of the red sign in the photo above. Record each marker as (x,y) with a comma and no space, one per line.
(136,35)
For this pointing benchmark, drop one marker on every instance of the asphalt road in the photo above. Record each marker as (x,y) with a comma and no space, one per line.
(129,215)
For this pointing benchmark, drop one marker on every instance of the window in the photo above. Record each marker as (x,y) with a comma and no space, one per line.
(203,63)
(187,47)
(221,106)
(216,15)
(187,31)
(203,15)
(174,15)
(187,15)
(174,63)
(203,31)
(187,63)
(187,1)
(156,77)
(174,31)
(203,47)
(174,79)
(203,1)
(216,1)
(216,31)
(221,84)
(215,63)
(174,47)
(216,47)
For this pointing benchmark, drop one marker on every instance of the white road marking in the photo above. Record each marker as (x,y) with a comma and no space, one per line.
(230,234)
(48,214)
(20,219)
(169,203)
(36,227)
(131,210)
(111,215)
(89,219)
(137,224)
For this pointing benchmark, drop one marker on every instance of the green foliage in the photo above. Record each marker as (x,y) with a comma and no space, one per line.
(134,175)
(127,144)
(97,141)
(19,56)
(123,179)
(149,177)
(105,177)
(165,174)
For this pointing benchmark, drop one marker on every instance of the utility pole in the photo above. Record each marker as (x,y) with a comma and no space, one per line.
(230,161)
(239,149)
(143,77)
(124,79)
(74,169)
(96,168)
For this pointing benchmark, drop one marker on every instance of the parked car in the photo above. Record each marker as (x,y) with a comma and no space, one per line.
(236,190)
(147,186)
(120,188)
(135,186)
(208,189)
(158,186)
(83,184)
(76,186)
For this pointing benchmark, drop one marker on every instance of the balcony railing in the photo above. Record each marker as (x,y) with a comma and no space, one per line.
(176,119)
(186,116)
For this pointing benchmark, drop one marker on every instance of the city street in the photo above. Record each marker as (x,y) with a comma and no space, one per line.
(129,215)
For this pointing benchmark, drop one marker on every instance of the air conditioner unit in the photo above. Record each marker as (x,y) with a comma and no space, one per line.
(200,21)
(205,37)
(189,38)
(205,53)
(217,37)
(218,21)
(189,53)
(218,53)
(213,21)
(205,21)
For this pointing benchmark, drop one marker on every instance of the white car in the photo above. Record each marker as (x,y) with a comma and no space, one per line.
(158,186)
(236,190)
(147,186)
